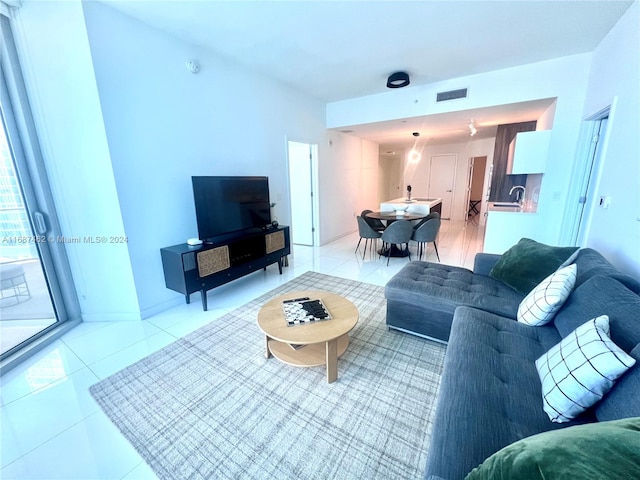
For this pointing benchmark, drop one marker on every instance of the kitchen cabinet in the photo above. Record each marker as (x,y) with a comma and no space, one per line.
(528,152)
(505,228)
(501,183)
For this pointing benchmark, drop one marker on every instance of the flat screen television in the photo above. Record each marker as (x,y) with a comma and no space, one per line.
(226,205)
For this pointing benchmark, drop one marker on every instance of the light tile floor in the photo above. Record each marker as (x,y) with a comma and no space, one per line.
(51,426)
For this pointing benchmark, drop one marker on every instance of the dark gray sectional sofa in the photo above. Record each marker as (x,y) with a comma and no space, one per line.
(422,297)
(490,395)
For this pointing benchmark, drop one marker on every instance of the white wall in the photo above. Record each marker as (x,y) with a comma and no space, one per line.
(165,124)
(370,172)
(390,168)
(615,73)
(545,122)
(417,175)
(56,61)
(349,183)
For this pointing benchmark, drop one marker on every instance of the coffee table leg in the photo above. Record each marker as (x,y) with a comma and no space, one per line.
(332,361)
(267,353)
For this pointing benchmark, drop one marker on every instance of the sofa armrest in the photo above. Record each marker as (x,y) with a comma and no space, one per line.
(484,262)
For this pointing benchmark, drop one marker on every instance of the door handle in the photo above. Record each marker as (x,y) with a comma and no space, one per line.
(40,223)
(449,191)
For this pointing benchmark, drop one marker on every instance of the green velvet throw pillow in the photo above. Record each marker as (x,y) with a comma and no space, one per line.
(582,452)
(528,262)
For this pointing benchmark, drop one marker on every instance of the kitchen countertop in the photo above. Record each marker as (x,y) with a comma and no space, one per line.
(418,204)
(511,207)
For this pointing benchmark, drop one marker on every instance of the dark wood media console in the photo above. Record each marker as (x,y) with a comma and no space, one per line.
(189,269)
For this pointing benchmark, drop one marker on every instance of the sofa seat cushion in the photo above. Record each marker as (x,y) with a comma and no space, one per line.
(440,287)
(490,391)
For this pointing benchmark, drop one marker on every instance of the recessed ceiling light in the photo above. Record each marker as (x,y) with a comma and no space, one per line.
(414,156)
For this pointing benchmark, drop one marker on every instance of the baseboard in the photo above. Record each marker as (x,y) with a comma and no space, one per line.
(112,317)
(161,307)
(337,237)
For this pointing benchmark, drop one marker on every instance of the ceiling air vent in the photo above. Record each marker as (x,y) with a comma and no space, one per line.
(451,95)
(346,131)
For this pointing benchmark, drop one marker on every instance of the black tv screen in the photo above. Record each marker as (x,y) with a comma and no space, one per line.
(230,204)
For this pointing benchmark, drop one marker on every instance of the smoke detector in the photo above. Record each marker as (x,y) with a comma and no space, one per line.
(193,66)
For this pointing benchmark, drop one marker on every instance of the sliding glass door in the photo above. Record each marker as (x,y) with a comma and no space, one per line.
(26,308)
(37,294)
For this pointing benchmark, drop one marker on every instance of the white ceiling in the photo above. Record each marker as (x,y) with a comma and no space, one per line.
(335,50)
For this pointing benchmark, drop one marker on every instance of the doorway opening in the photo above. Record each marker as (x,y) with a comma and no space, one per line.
(475,188)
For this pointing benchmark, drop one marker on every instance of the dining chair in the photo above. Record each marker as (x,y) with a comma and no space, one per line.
(398,233)
(427,231)
(366,232)
(417,209)
(374,223)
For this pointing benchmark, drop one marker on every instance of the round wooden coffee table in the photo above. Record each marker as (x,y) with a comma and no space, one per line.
(321,342)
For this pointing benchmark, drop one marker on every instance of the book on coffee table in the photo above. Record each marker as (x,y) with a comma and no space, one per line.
(303,311)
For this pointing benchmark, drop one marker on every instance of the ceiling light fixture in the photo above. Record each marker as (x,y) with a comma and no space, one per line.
(472,128)
(398,80)
(414,155)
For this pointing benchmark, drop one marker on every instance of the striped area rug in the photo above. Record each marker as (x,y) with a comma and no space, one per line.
(210,406)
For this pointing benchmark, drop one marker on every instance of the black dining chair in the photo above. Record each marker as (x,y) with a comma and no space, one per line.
(374,223)
(368,233)
(398,233)
(427,231)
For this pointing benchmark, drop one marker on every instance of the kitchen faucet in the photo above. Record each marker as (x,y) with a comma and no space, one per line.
(520,199)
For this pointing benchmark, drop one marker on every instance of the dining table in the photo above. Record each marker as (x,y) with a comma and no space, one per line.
(392,216)
(389,217)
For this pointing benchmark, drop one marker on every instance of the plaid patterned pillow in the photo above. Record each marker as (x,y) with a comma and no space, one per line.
(542,303)
(577,372)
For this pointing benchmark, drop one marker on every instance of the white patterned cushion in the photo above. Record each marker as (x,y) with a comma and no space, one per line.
(578,371)
(542,303)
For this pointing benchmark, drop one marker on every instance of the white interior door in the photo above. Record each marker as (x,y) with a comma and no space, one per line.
(301,192)
(442,176)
